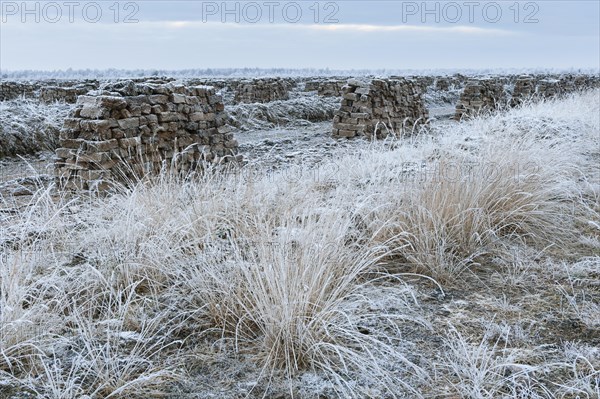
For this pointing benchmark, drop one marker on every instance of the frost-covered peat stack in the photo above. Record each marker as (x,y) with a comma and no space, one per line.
(131,129)
(326,88)
(523,91)
(262,90)
(331,88)
(422,82)
(548,88)
(312,85)
(584,82)
(379,107)
(10,90)
(480,95)
(47,90)
(69,95)
(445,83)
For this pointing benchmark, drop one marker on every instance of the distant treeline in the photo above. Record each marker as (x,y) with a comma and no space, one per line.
(264,72)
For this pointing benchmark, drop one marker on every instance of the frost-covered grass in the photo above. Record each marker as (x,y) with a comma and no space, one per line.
(296,111)
(389,273)
(28,126)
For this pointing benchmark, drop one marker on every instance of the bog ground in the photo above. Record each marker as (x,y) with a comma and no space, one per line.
(460,259)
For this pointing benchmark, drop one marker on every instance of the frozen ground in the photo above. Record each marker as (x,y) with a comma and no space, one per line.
(323,269)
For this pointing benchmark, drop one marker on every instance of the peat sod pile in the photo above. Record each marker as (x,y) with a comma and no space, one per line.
(379,107)
(129,130)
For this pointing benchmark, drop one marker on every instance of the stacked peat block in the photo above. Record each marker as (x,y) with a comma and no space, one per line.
(523,91)
(456,81)
(262,90)
(69,95)
(548,88)
(506,80)
(331,88)
(443,83)
(9,90)
(226,86)
(571,83)
(567,84)
(422,82)
(136,129)
(379,107)
(582,82)
(447,83)
(312,85)
(480,95)
(153,79)
(326,88)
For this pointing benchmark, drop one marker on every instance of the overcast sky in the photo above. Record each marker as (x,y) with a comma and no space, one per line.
(300,34)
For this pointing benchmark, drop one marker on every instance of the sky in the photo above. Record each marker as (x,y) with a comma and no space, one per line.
(50,35)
